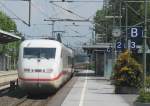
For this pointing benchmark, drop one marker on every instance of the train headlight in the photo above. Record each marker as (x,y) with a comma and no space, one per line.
(49,70)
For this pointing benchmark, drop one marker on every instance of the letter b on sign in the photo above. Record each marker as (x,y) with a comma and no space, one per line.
(134,32)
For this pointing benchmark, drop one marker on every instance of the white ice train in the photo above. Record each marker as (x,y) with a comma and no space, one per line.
(44,65)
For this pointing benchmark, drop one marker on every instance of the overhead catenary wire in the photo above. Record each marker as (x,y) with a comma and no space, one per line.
(40,10)
(9,10)
(79,34)
(74,31)
(73,36)
(135,1)
(69,11)
(86,19)
(58,19)
(77,25)
(56,12)
(85,35)
(17,17)
(80,1)
(91,16)
(14,0)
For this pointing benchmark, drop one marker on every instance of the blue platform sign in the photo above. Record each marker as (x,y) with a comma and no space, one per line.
(135,32)
(120,45)
(132,44)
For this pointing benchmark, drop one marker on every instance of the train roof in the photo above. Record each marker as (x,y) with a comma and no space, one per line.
(42,43)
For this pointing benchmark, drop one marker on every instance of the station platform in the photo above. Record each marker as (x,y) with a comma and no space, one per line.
(90,90)
(7,76)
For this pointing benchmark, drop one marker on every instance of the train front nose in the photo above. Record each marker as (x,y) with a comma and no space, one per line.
(36,75)
(37,80)
(37,86)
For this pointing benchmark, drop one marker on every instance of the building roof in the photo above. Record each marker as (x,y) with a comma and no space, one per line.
(6,37)
(97,46)
(107,46)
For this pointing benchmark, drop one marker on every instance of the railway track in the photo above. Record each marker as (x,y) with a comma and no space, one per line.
(21,101)
(33,101)
(17,97)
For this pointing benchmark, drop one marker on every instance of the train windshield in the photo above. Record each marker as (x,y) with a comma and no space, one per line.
(39,53)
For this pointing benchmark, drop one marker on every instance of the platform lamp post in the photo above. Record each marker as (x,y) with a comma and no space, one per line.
(116,32)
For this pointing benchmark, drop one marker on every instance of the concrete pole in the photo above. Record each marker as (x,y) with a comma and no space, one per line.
(29,13)
(126,25)
(114,40)
(120,13)
(145,35)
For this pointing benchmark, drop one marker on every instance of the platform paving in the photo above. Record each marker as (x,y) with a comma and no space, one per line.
(6,76)
(90,90)
(8,72)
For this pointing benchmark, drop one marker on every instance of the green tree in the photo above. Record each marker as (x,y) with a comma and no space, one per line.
(7,24)
(99,18)
(135,15)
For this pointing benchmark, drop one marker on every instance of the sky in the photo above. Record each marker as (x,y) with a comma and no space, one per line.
(43,9)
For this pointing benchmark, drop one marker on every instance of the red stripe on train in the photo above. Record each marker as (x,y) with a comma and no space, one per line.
(43,79)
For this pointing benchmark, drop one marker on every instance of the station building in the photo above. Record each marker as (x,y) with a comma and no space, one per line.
(101,56)
(104,56)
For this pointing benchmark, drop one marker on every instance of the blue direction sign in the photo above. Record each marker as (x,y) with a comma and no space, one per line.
(135,32)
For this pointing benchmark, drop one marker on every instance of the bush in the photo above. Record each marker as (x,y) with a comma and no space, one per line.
(127,72)
(147,82)
(144,95)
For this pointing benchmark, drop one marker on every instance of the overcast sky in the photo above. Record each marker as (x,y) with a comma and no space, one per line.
(42,9)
